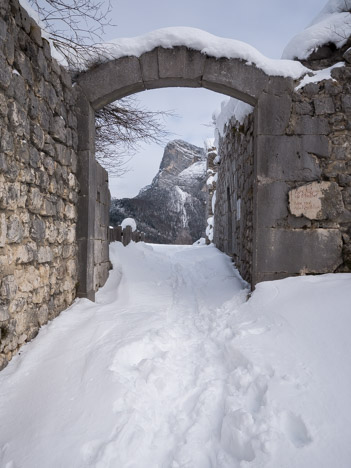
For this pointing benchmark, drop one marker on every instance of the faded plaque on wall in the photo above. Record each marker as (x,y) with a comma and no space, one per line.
(318,200)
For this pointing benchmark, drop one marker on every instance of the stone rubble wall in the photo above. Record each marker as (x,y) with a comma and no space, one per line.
(323,204)
(291,163)
(39,188)
(102,263)
(233,217)
(38,184)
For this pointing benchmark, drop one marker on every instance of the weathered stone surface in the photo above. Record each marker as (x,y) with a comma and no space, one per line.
(181,63)
(298,251)
(149,67)
(3,229)
(273,114)
(286,158)
(38,137)
(5,73)
(346,103)
(234,78)
(58,130)
(304,108)
(308,141)
(38,230)
(4,314)
(14,230)
(112,80)
(271,200)
(35,200)
(319,200)
(34,157)
(347,55)
(25,253)
(8,287)
(307,125)
(35,182)
(324,105)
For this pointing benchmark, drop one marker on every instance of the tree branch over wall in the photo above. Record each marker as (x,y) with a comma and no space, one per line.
(74,27)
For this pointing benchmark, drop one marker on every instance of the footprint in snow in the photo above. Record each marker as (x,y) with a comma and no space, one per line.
(296,430)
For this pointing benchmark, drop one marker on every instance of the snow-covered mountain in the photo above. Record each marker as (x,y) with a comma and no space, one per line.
(172,209)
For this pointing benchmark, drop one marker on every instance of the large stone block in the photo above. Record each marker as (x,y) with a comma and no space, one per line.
(14,230)
(86,269)
(86,217)
(181,62)
(285,158)
(280,85)
(5,73)
(149,66)
(111,81)
(8,287)
(3,229)
(272,203)
(307,125)
(4,315)
(324,105)
(235,78)
(97,251)
(273,114)
(298,251)
(315,144)
(58,130)
(45,255)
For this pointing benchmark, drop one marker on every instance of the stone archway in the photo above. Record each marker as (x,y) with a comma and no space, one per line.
(112,80)
(176,67)
(276,250)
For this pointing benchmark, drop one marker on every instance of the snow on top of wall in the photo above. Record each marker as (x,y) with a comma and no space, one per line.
(209,143)
(129,222)
(230,108)
(319,75)
(195,39)
(332,24)
(45,34)
(31,12)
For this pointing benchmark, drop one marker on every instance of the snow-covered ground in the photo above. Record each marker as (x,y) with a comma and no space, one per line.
(172,367)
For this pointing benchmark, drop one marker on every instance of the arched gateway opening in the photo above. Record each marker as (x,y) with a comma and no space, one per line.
(276,251)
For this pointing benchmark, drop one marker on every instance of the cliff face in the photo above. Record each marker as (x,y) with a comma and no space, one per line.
(172,209)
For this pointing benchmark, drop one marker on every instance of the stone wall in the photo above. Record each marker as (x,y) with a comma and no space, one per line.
(291,162)
(101,247)
(38,184)
(323,204)
(233,218)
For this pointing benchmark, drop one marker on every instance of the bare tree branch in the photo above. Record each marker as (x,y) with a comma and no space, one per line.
(121,127)
(74,26)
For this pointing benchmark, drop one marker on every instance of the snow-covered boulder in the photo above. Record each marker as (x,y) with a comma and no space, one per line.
(129,222)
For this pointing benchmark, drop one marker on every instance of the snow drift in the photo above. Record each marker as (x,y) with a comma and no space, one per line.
(172,367)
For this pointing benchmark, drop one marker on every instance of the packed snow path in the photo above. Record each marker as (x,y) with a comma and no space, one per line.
(171,368)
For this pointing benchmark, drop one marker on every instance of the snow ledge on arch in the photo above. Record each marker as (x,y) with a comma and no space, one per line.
(195,39)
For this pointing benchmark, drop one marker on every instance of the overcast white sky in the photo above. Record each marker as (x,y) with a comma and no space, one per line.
(267,25)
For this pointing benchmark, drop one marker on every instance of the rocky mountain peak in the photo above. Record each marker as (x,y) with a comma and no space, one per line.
(172,208)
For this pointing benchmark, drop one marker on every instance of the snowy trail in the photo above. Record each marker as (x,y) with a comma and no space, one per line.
(172,368)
